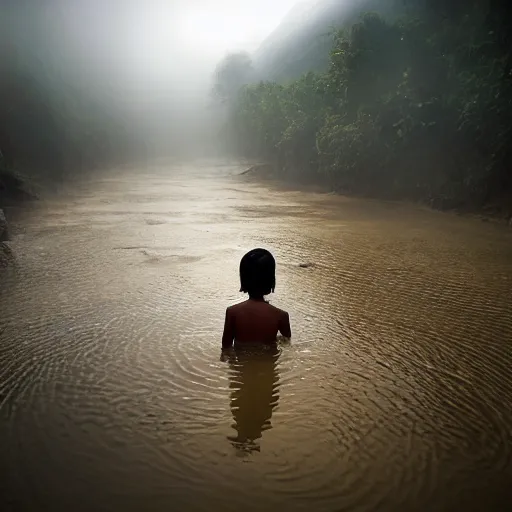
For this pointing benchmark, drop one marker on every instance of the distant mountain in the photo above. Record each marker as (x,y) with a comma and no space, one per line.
(293,22)
(302,41)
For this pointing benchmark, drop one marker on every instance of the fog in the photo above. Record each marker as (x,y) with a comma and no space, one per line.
(145,65)
(146,146)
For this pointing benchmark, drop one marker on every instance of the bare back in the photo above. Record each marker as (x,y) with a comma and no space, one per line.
(254,321)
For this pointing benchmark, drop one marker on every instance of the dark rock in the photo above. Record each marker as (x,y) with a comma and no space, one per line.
(306,265)
(4,234)
(7,258)
(14,188)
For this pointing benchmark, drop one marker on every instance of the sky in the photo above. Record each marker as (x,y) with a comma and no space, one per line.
(176,44)
(157,42)
(204,30)
(227,24)
(196,34)
(153,59)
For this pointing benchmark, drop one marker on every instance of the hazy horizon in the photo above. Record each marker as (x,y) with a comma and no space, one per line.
(147,44)
(148,63)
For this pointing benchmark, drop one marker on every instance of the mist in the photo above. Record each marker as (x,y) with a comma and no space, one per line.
(359,358)
(135,76)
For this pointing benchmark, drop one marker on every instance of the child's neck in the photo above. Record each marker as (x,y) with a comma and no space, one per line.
(258,298)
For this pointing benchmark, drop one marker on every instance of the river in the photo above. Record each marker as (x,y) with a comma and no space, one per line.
(395,392)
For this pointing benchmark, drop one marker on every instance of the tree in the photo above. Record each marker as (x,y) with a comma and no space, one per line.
(233,72)
(418,107)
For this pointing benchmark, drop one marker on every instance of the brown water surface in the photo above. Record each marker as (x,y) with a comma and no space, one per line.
(395,393)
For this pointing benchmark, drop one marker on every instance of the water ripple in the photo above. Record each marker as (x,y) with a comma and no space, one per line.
(394,395)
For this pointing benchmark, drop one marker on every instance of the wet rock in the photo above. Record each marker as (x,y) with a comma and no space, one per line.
(4,234)
(6,256)
(15,188)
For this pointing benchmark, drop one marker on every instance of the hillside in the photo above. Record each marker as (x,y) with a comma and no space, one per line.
(415,108)
(302,41)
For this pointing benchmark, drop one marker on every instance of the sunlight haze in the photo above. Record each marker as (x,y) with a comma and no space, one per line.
(227,24)
(161,43)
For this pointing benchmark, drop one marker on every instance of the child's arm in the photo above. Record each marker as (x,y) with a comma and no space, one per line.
(284,325)
(229,332)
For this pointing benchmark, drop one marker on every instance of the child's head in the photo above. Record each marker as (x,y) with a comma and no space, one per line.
(258,273)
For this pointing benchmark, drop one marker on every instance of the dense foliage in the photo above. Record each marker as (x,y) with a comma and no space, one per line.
(301,43)
(419,108)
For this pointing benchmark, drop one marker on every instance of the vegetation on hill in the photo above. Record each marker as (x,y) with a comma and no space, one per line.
(301,43)
(418,107)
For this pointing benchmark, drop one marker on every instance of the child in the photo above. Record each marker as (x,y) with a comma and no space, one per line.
(255,320)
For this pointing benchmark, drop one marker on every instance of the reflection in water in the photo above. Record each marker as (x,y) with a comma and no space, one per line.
(254,384)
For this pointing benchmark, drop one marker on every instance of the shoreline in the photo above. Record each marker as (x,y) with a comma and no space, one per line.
(15,194)
(266,173)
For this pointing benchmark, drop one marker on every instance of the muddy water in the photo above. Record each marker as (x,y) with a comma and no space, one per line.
(395,393)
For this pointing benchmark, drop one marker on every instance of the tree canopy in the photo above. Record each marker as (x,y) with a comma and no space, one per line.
(415,107)
(233,72)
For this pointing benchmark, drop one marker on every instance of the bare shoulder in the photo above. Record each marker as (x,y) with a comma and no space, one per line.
(280,312)
(235,308)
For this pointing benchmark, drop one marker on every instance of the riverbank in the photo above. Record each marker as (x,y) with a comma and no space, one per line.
(498,212)
(15,191)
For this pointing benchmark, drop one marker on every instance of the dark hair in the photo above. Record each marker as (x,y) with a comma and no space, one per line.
(258,273)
